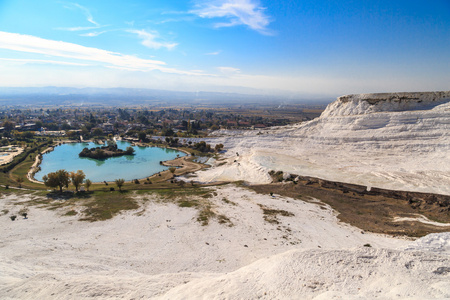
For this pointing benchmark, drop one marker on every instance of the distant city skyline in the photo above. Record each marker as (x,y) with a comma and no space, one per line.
(245,46)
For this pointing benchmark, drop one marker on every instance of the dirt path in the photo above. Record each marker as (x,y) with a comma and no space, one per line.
(184,165)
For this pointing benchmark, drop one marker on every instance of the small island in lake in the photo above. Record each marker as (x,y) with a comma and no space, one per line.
(105,152)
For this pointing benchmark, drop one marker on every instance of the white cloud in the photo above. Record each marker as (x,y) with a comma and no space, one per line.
(32,44)
(149,39)
(228,71)
(239,12)
(42,61)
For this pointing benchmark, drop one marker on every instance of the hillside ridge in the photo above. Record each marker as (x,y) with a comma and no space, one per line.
(356,104)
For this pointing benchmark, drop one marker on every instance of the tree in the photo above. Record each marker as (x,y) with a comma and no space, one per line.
(56,179)
(97,132)
(87,183)
(129,151)
(167,132)
(218,147)
(28,135)
(84,132)
(8,125)
(214,127)
(119,183)
(20,180)
(172,170)
(77,178)
(66,126)
(71,134)
(142,136)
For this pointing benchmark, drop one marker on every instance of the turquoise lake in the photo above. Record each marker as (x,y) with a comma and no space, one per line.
(144,163)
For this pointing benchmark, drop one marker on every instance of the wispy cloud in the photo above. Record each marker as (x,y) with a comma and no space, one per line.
(93,34)
(238,12)
(150,40)
(214,53)
(88,16)
(79,28)
(32,44)
(85,11)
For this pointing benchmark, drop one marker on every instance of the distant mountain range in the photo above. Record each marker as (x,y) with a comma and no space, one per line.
(129,96)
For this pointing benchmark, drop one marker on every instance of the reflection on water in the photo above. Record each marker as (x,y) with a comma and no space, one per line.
(144,163)
(98,162)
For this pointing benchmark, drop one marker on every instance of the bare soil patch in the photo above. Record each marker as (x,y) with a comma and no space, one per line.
(372,210)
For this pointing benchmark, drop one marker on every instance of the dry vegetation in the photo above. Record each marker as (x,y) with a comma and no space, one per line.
(102,205)
(374,213)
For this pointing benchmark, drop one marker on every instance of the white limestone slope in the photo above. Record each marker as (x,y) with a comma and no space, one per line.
(161,252)
(329,274)
(396,141)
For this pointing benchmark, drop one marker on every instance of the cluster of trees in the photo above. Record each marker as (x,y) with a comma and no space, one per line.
(105,152)
(62,178)
(173,142)
(24,136)
(204,147)
(200,146)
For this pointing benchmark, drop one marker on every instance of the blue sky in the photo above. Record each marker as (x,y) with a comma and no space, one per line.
(296,47)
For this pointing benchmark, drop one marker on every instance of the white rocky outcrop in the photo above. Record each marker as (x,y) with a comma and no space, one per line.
(385,102)
(395,141)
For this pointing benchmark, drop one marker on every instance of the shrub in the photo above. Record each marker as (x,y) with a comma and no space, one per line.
(20,180)
(87,183)
(119,182)
(13,218)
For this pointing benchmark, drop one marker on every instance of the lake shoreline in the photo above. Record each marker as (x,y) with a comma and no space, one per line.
(184,166)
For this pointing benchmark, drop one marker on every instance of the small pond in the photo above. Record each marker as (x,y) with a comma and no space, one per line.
(144,163)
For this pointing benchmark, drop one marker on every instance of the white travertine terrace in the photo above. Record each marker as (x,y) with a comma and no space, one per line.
(396,141)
